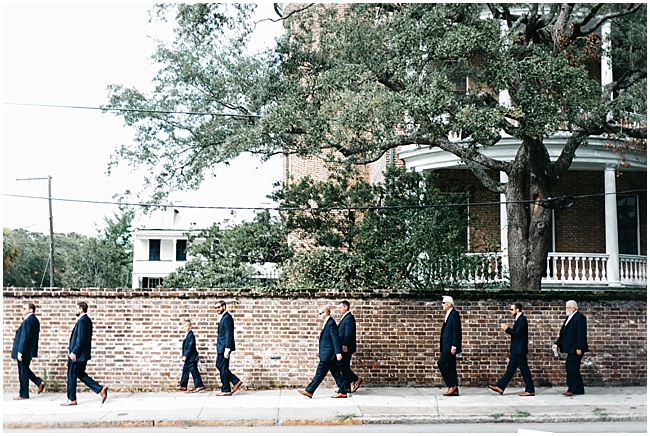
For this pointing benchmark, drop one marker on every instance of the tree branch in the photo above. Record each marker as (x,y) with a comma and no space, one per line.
(470,154)
(630,10)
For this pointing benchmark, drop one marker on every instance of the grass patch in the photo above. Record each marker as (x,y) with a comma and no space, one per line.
(346,416)
(522,414)
(600,412)
(496,416)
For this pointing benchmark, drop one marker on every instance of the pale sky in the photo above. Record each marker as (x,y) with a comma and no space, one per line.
(67,54)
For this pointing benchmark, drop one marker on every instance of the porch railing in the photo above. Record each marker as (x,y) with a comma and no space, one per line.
(591,268)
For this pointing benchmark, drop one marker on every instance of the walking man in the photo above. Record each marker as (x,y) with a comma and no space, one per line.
(518,353)
(79,355)
(329,352)
(573,341)
(450,339)
(348,335)
(190,361)
(225,346)
(24,349)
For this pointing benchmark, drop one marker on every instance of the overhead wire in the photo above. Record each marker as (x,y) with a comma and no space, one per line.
(548,200)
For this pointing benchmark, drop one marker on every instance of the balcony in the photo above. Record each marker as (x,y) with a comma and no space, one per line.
(591,269)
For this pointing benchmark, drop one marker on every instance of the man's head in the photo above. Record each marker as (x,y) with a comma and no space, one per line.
(571,306)
(447,302)
(344,307)
(323,313)
(29,308)
(516,308)
(221,307)
(187,324)
(82,307)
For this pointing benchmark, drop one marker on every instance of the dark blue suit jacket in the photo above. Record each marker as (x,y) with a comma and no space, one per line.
(189,348)
(451,334)
(26,339)
(519,336)
(573,336)
(80,339)
(348,332)
(329,343)
(226,336)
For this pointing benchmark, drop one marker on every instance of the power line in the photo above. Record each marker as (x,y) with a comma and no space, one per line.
(148,111)
(561,200)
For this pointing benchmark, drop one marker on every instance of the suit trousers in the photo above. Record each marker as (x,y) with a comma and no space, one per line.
(322,370)
(447,365)
(517,361)
(191,368)
(227,377)
(573,377)
(348,374)
(25,374)
(77,370)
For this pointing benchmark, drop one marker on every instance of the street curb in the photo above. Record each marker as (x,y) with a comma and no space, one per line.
(388,420)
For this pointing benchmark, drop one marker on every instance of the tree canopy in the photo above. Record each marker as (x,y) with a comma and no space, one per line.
(349,82)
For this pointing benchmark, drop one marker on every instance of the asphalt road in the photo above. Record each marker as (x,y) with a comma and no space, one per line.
(506,428)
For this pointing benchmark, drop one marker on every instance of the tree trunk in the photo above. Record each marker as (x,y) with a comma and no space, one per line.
(528,223)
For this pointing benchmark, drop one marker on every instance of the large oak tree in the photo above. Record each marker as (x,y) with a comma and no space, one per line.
(365,78)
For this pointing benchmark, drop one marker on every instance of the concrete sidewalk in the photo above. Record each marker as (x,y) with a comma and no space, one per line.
(288,407)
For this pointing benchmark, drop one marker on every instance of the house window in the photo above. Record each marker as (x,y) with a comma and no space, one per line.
(154,249)
(628,224)
(151,282)
(181,247)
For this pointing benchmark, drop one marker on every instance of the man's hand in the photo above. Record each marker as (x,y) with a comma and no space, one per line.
(345,348)
(504,327)
(20,357)
(579,352)
(73,357)
(226,354)
(183,358)
(453,350)
(339,357)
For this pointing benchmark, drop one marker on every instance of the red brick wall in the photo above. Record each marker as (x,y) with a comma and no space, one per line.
(137,336)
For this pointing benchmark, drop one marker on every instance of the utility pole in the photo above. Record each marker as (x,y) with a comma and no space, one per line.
(49,198)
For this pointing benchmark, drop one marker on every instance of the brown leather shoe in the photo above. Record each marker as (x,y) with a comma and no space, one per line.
(339,395)
(307,394)
(567,394)
(496,389)
(41,388)
(224,394)
(21,398)
(181,388)
(104,394)
(356,384)
(526,394)
(199,389)
(452,392)
(70,403)
(236,386)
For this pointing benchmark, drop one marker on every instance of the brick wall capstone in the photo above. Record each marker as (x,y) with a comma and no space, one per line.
(137,336)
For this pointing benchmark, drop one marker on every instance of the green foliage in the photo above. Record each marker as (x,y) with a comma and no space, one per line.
(224,257)
(79,261)
(10,252)
(401,234)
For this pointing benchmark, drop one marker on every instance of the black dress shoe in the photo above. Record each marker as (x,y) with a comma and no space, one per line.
(104,394)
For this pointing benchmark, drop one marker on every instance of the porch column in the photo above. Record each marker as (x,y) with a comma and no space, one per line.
(503,220)
(606,71)
(611,228)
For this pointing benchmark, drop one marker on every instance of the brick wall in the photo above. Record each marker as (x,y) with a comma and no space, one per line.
(137,337)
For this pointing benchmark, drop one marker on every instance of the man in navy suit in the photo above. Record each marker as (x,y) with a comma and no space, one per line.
(573,341)
(79,355)
(225,346)
(329,352)
(191,360)
(348,335)
(451,337)
(25,348)
(518,353)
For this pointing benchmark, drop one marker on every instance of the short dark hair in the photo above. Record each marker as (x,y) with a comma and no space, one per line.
(221,303)
(31,306)
(518,306)
(83,306)
(346,303)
